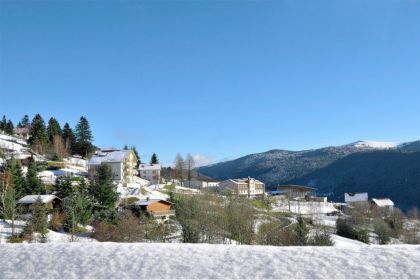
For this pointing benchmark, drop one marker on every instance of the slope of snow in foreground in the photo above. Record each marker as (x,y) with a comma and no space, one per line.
(145,260)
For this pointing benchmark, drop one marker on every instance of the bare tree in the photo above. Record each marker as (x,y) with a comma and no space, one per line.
(190,164)
(8,206)
(180,168)
(59,146)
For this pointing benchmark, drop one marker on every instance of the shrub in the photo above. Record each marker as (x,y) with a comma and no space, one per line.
(57,221)
(321,238)
(347,229)
(383,231)
(129,229)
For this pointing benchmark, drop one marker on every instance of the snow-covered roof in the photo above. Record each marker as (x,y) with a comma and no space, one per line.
(149,167)
(31,199)
(147,202)
(383,202)
(245,180)
(114,156)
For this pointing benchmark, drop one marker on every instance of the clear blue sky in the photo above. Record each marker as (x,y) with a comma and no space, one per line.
(219,79)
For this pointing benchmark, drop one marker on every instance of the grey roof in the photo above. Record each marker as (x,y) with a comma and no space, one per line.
(31,199)
(115,156)
(149,167)
(146,202)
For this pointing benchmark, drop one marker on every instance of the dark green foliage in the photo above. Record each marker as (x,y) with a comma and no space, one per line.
(84,137)
(39,136)
(53,129)
(3,123)
(301,232)
(103,189)
(69,139)
(77,210)
(321,238)
(63,187)
(25,121)
(19,183)
(39,220)
(33,183)
(383,231)
(9,128)
(346,228)
(154,159)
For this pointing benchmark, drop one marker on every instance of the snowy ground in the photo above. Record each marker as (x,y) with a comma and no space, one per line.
(111,260)
(304,207)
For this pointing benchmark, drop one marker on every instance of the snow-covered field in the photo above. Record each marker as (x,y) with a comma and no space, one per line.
(304,207)
(143,260)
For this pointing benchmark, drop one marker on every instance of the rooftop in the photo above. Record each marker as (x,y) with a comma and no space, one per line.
(150,167)
(31,199)
(114,156)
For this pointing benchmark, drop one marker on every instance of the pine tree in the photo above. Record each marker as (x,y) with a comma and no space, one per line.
(103,189)
(69,139)
(39,136)
(19,183)
(154,159)
(63,187)
(9,128)
(84,137)
(53,129)
(39,220)
(3,123)
(125,147)
(33,183)
(25,121)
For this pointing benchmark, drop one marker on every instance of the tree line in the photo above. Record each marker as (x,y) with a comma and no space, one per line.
(52,139)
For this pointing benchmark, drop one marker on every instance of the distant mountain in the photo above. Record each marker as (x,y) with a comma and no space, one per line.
(381,168)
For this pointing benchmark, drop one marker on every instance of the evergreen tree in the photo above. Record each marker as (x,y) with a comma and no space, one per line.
(77,208)
(125,147)
(9,128)
(19,183)
(19,125)
(69,139)
(63,187)
(39,220)
(25,121)
(301,232)
(84,137)
(154,159)
(53,129)
(33,183)
(137,155)
(3,123)
(103,189)
(39,136)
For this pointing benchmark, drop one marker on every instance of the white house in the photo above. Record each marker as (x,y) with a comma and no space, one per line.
(356,197)
(122,163)
(249,187)
(150,172)
(382,203)
(202,184)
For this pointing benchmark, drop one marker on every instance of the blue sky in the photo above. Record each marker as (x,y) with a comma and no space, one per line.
(218,79)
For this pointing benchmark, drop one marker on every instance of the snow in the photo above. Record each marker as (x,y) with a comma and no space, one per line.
(30,199)
(340,241)
(376,144)
(383,202)
(305,207)
(163,261)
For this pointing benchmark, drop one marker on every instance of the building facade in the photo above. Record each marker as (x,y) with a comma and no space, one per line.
(150,172)
(122,162)
(248,187)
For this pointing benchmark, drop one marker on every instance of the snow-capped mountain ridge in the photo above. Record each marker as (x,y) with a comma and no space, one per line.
(376,144)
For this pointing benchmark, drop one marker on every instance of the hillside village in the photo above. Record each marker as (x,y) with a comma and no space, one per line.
(56,186)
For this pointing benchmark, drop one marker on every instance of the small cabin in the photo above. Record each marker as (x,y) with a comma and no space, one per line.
(382,203)
(297,192)
(51,202)
(160,209)
(353,197)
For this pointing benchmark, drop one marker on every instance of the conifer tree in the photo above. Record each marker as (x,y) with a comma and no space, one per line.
(39,136)
(69,139)
(39,220)
(33,183)
(9,128)
(53,129)
(84,137)
(154,159)
(19,183)
(103,189)
(3,123)
(25,121)
(63,187)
